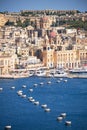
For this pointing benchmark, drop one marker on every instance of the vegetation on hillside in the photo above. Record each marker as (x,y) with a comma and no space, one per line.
(71,24)
(75,23)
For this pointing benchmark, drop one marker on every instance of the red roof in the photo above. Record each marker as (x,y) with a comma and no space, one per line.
(45,19)
(52,34)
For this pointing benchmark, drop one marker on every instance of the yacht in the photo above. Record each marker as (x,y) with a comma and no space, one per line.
(78,71)
(40,73)
(60,73)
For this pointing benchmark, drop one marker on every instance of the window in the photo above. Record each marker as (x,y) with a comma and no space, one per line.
(48,48)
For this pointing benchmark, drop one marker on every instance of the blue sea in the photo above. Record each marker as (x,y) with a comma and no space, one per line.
(61,97)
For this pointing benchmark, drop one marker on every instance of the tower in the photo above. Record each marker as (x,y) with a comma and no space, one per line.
(48,54)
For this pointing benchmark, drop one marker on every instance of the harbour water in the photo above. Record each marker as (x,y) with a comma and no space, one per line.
(68,96)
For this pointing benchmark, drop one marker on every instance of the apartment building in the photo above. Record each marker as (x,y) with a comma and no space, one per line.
(64,55)
(7,63)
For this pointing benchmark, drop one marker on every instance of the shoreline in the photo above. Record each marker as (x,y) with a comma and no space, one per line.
(26,76)
(12,76)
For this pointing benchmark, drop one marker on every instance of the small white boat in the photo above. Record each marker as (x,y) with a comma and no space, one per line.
(63,114)
(35,85)
(58,81)
(61,79)
(8,127)
(49,82)
(19,92)
(41,83)
(59,118)
(44,105)
(24,96)
(1,89)
(24,86)
(13,87)
(36,102)
(47,109)
(68,122)
(65,80)
(30,98)
(31,90)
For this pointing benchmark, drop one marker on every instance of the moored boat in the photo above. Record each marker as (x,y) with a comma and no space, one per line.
(40,73)
(47,109)
(13,87)
(30,98)
(24,86)
(8,127)
(44,105)
(35,85)
(23,95)
(68,123)
(41,83)
(19,92)
(59,118)
(63,114)
(60,73)
(36,102)
(1,89)
(31,90)
(78,71)
(49,82)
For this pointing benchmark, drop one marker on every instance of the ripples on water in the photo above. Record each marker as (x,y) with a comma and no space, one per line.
(69,97)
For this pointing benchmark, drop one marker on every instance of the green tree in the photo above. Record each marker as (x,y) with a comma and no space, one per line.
(9,23)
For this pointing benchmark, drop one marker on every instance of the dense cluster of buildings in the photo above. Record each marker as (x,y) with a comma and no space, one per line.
(41,45)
